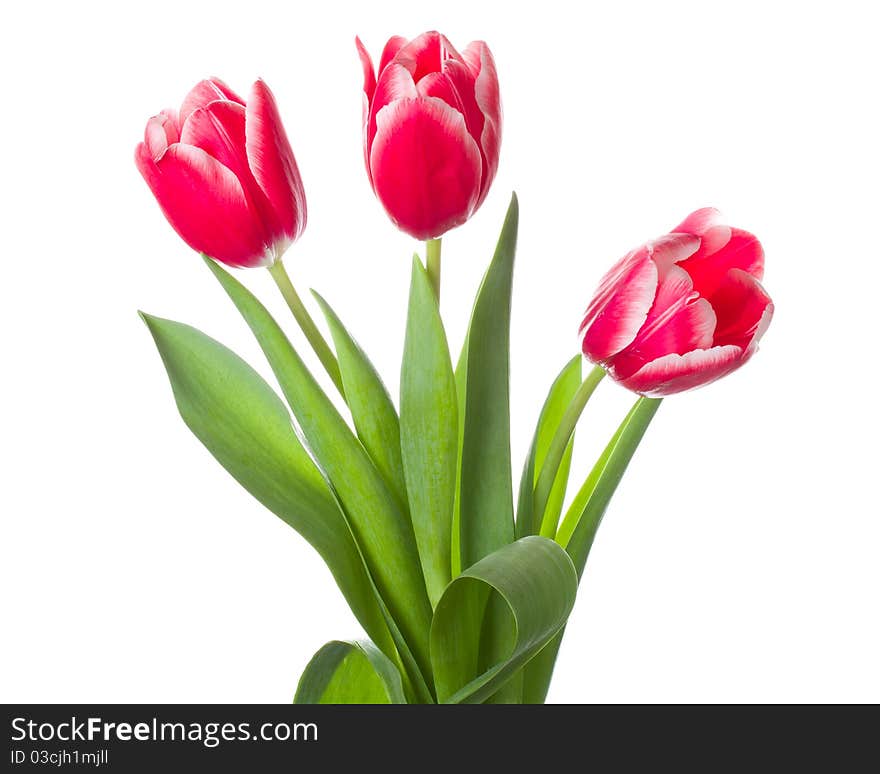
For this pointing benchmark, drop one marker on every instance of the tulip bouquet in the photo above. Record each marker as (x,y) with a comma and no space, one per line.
(463,596)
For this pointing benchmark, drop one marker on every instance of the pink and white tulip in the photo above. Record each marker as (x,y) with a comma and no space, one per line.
(681,311)
(432,131)
(224,174)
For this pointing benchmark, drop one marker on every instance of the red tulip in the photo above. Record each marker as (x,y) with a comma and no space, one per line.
(224,174)
(681,311)
(432,131)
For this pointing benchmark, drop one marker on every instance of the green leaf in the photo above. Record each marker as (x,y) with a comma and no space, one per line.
(561,392)
(461,392)
(582,519)
(585,514)
(486,496)
(539,671)
(557,449)
(243,423)
(533,583)
(557,494)
(380,525)
(485,490)
(372,410)
(429,432)
(349,673)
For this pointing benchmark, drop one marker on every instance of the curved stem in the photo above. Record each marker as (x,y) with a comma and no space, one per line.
(307,324)
(556,451)
(432,261)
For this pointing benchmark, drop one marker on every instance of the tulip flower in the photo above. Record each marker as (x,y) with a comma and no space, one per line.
(224,174)
(681,311)
(432,131)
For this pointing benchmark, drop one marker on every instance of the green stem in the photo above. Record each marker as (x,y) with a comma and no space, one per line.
(432,260)
(307,324)
(556,451)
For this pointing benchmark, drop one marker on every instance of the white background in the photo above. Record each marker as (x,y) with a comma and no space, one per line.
(739,560)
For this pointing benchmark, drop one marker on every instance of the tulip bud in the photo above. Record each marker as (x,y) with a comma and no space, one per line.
(224,174)
(432,131)
(681,311)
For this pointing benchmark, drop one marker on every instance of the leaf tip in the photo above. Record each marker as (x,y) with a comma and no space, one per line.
(319,299)
(214,266)
(513,210)
(147,319)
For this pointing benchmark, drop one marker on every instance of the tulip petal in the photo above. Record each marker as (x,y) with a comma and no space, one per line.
(742,250)
(459,76)
(219,130)
(746,252)
(462,81)
(425,166)
(203,94)
(272,162)
(671,249)
(689,328)
(394,44)
(369,72)
(455,86)
(440,86)
(369,90)
(760,329)
(426,54)
(481,63)
(700,221)
(162,130)
(626,294)
(395,82)
(741,305)
(678,322)
(205,203)
(620,306)
(708,225)
(675,373)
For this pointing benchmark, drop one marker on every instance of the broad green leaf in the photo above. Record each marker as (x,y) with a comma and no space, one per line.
(380,525)
(533,583)
(372,410)
(485,488)
(582,519)
(243,423)
(561,392)
(429,432)
(349,673)
(486,496)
